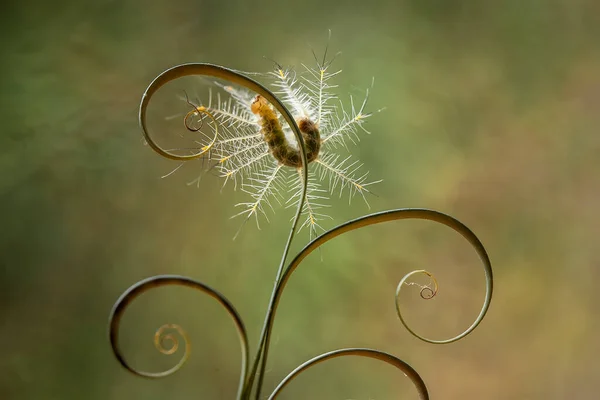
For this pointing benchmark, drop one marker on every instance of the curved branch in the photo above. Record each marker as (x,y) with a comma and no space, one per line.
(215,71)
(166,280)
(376,218)
(218,71)
(259,365)
(369,353)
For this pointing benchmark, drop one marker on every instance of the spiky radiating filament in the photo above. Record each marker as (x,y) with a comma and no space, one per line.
(242,152)
(319,88)
(229,113)
(228,173)
(343,174)
(264,185)
(291,92)
(347,126)
(312,202)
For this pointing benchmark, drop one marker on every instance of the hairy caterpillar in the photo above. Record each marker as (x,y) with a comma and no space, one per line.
(273,134)
(259,153)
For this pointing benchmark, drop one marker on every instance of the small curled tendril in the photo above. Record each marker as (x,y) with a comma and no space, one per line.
(426,292)
(216,71)
(161,340)
(369,353)
(195,113)
(372,219)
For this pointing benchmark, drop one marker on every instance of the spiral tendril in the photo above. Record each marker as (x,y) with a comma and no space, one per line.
(235,77)
(372,219)
(426,292)
(247,378)
(194,113)
(159,337)
(197,111)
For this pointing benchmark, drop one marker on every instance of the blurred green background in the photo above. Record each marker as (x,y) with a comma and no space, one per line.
(492,116)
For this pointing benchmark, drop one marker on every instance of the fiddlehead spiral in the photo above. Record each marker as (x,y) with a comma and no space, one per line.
(372,219)
(217,71)
(160,338)
(198,111)
(426,292)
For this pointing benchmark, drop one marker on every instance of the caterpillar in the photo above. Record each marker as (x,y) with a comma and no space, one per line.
(258,153)
(273,134)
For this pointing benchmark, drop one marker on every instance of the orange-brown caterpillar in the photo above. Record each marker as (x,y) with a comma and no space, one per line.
(255,151)
(274,136)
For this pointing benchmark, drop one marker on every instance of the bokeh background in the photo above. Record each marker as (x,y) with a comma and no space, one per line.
(492,116)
